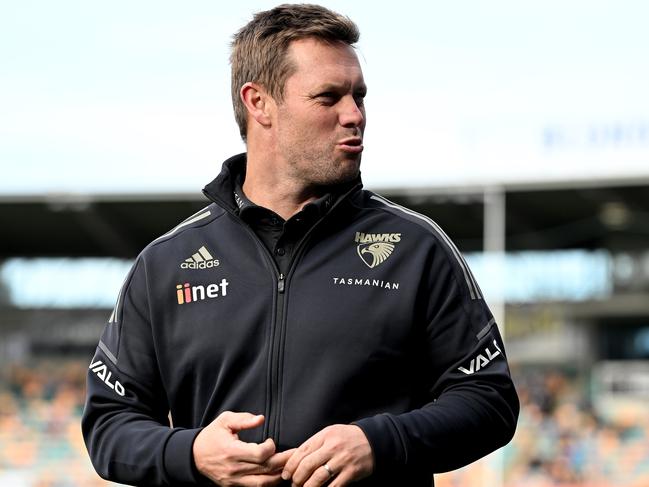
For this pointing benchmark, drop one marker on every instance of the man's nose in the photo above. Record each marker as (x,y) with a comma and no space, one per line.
(352,114)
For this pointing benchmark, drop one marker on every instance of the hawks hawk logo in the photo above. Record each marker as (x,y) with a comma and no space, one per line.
(375,248)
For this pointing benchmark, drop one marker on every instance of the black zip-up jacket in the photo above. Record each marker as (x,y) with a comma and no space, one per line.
(378,322)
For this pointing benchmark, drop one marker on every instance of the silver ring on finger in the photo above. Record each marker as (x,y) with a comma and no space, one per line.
(328,469)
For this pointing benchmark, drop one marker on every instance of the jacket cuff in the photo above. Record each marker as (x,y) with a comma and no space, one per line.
(387,443)
(179,458)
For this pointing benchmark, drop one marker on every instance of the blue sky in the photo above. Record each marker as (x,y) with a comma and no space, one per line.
(134,96)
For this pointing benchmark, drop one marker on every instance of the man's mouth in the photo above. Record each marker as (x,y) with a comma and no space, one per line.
(352,145)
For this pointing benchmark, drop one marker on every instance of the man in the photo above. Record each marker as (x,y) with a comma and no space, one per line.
(298,329)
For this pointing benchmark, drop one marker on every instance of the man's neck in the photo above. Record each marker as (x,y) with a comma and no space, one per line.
(267,183)
(281,195)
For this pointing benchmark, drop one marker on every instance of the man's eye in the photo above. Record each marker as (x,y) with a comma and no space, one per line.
(328,97)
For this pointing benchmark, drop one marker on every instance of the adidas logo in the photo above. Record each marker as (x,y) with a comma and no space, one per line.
(200,260)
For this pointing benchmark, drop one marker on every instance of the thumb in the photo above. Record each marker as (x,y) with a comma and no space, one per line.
(242,421)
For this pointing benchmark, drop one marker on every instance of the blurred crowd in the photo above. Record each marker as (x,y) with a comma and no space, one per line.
(40,435)
(560,441)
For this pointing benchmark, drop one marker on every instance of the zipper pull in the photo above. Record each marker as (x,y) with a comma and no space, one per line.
(280,284)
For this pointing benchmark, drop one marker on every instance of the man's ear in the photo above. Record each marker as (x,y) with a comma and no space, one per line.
(258,102)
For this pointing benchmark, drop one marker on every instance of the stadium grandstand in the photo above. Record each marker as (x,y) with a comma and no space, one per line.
(574,294)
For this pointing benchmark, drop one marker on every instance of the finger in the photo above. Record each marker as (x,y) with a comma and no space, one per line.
(256,453)
(305,448)
(277,461)
(312,465)
(241,421)
(259,480)
(343,478)
(318,477)
(273,465)
(243,469)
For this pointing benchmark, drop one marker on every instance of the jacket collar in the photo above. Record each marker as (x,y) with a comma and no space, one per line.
(222,189)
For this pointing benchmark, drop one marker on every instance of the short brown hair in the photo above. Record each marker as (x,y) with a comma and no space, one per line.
(260,48)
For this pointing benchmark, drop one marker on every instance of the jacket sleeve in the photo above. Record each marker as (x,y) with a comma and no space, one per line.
(472,406)
(125,420)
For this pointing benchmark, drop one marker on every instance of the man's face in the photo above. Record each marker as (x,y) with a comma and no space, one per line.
(320,122)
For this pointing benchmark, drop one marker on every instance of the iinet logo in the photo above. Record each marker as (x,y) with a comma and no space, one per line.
(186,293)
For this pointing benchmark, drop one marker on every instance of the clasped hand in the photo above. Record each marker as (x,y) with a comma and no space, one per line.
(222,457)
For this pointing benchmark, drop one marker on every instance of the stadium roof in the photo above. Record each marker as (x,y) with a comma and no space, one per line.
(612,216)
